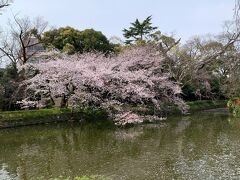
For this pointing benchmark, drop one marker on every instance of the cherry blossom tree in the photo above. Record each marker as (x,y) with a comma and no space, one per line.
(133,78)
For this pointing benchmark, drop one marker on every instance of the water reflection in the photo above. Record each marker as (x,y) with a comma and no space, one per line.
(201,146)
(4,174)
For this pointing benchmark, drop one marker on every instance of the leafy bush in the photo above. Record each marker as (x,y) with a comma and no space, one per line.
(234,106)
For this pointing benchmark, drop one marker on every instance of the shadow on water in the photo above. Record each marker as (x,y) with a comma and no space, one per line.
(198,146)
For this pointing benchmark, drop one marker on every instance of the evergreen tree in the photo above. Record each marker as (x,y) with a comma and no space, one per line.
(139,30)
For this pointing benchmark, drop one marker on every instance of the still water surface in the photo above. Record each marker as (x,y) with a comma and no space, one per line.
(200,146)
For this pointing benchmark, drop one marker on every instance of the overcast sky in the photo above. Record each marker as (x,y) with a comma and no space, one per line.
(184,17)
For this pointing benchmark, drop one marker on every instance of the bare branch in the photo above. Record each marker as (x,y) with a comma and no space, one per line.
(4,3)
(24,34)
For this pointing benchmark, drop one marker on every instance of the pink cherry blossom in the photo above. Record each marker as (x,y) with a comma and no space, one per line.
(136,77)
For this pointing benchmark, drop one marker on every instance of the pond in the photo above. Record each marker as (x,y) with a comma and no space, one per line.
(200,146)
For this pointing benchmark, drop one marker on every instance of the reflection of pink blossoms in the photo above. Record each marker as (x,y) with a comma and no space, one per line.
(134,77)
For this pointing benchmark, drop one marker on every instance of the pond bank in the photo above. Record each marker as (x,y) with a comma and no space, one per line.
(10,119)
(217,110)
(206,105)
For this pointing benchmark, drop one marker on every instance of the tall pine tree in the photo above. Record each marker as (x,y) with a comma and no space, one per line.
(138,30)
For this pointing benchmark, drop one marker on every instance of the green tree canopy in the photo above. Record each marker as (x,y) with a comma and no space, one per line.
(94,41)
(64,36)
(138,30)
(71,40)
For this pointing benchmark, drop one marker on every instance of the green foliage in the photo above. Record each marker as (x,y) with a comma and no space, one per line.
(206,104)
(230,105)
(188,92)
(31,114)
(94,41)
(28,117)
(200,105)
(91,114)
(234,106)
(58,38)
(9,73)
(69,49)
(214,92)
(8,85)
(70,40)
(138,30)
(236,111)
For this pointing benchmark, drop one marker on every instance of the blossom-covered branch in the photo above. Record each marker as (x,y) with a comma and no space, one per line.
(134,78)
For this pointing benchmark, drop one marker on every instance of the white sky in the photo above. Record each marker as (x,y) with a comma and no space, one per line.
(183,17)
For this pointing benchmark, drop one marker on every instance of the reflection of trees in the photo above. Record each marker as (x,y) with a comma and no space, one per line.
(4,174)
(129,134)
(156,151)
(204,151)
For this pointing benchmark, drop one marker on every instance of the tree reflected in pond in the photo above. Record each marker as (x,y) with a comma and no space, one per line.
(199,146)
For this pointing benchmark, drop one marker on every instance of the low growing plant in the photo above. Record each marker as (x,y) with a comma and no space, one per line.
(234,106)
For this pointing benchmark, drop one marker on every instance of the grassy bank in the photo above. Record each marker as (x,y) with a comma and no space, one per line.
(31,117)
(29,114)
(195,106)
(206,104)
